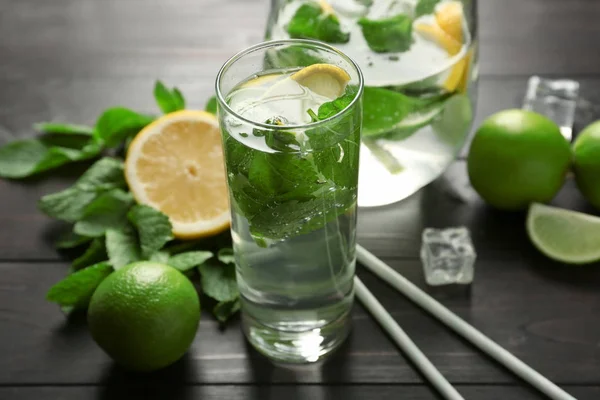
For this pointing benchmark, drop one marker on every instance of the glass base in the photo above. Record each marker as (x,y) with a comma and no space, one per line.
(297,347)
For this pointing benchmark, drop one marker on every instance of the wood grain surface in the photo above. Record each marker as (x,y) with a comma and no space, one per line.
(66,60)
(275,392)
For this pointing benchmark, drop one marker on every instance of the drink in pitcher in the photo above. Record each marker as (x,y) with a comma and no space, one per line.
(418,58)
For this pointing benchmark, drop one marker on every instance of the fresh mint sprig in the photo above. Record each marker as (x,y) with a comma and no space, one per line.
(108,229)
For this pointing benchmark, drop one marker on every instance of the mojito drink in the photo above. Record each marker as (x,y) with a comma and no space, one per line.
(291,139)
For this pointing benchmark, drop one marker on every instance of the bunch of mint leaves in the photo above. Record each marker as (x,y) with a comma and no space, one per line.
(107,229)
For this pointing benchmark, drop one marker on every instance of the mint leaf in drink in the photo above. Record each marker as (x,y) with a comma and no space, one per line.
(211,105)
(95,253)
(71,240)
(330,31)
(330,134)
(225,255)
(107,211)
(154,228)
(311,22)
(122,247)
(279,140)
(69,204)
(334,107)
(77,289)
(423,112)
(116,124)
(63,129)
(393,34)
(28,157)
(300,217)
(425,7)
(168,100)
(247,200)
(188,260)
(282,141)
(396,116)
(226,309)
(218,280)
(278,176)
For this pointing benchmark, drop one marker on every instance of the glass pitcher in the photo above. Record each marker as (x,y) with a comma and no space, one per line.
(419,60)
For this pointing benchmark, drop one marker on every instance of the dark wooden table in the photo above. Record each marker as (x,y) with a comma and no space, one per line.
(69,59)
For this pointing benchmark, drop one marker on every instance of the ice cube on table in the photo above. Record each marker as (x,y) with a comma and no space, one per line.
(448,256)
(554,98)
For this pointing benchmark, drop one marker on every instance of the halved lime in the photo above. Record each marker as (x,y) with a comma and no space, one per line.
(564,235)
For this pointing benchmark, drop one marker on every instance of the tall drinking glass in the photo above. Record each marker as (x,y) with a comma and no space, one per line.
(291,138)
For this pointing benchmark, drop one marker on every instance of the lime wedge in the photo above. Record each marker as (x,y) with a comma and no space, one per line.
(563,235)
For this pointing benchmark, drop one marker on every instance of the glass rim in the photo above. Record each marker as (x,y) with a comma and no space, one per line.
(272,43)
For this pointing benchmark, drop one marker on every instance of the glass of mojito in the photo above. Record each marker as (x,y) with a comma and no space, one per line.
(291,138)
(419,61)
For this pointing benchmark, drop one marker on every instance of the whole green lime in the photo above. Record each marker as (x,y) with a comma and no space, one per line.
(518,157)
(145,315)
(586,163)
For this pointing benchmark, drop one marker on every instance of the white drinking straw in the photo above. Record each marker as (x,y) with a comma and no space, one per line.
(460,326)
(405,343)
